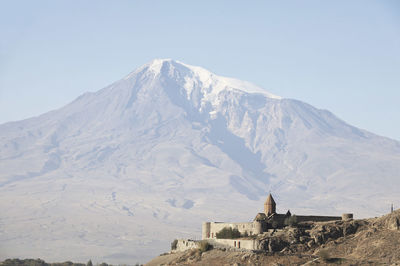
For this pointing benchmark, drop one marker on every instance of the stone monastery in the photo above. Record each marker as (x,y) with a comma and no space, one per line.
(263,221)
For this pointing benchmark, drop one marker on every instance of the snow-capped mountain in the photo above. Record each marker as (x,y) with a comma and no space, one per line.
(117,174)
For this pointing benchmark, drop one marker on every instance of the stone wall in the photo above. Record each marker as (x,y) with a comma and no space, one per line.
(185,244)
(247,244)
(210,229)
(312,218)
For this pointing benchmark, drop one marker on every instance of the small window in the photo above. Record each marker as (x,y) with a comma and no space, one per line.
(234,243)
(238,244)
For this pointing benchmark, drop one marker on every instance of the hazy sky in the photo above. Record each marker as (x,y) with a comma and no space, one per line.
(343,56)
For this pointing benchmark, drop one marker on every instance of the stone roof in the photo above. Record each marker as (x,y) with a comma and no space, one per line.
(270,200)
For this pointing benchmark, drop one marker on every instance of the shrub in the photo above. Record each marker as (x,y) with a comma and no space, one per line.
(28,262)
(89,263)
(174,244)
(323,254)
(228,233)
(204,246)
(291,221)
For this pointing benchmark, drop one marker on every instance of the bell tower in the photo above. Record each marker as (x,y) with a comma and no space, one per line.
(269,205)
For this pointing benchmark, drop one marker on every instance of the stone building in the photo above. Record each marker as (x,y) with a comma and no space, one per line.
(263,221)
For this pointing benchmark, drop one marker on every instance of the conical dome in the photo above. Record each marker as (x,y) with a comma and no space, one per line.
(269,205)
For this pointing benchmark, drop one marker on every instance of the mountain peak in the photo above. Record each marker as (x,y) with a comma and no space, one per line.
(156,64)
(198,76)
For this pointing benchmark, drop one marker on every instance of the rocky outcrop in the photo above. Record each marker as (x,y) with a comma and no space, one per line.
(393,223)
(307,236)
(390,221)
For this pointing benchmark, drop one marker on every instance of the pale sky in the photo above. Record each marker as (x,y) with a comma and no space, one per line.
(343,56)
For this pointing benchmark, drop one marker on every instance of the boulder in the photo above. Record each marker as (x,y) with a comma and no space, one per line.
(394,223)
(318,239)
(276,244)
(245,256)
(333,232)
(310,243)
(302,239)
(349,228)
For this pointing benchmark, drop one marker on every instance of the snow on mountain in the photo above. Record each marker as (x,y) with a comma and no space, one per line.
(117,174)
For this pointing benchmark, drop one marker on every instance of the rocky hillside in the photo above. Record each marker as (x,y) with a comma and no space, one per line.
(374,241)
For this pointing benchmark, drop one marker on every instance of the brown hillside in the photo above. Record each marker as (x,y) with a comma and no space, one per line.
(374,241)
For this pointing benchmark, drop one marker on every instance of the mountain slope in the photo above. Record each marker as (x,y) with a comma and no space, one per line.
(119,173)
